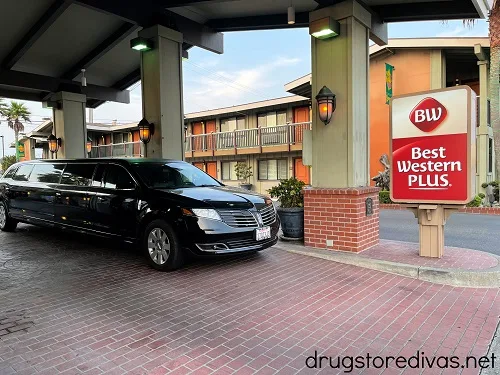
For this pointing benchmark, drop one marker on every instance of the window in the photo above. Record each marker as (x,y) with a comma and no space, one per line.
(10,172)
(173,175)
(45,172)
(98,175)
(273,169)
(269,119)
(490,155)
(117,178)
(232,123)
(23,172)
(228,172)
(78,174)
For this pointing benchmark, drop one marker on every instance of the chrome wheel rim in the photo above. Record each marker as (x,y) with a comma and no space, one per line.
(3,216)
(158,246)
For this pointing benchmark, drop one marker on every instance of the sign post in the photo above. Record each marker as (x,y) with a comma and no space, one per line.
(433,166)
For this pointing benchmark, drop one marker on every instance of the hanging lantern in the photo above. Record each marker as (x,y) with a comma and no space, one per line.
(326,104)
(146,130)
(89,146)
(54,143)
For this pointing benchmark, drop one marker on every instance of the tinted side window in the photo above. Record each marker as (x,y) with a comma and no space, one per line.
(98,175)
(117,178)
(78,174)
(23,172)
(45,172)
(10,172)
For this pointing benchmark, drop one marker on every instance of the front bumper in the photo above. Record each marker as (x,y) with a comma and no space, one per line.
(212,237)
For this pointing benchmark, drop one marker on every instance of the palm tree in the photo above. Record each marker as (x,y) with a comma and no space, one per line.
(14,114)
(494,27)
(3,107)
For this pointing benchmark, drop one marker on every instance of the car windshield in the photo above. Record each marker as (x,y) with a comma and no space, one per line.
(173,175)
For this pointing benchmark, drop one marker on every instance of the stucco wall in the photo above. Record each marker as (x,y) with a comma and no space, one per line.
(412,74)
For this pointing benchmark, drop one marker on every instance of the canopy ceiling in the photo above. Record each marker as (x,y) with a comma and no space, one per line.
(44,44)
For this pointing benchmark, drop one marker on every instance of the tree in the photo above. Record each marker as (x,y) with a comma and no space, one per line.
(14,114)
(494,94)
(7,161)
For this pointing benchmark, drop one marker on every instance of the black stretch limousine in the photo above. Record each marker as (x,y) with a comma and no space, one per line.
(167,207)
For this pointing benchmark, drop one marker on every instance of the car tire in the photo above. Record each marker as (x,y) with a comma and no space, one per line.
(7,224)
(161,246)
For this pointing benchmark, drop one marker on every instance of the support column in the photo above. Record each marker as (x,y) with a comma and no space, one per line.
(341,210)
(29,149)
(161,74)
(438,69)
(70,124)
(483,132)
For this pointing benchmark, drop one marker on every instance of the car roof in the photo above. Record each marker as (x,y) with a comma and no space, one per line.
(104,160)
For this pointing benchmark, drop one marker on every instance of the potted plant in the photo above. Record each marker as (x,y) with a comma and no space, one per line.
(243,173)
(291,209)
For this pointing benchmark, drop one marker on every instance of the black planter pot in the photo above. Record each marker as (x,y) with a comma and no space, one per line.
(292,222)
(246,186)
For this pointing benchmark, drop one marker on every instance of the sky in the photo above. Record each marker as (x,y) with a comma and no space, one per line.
(255,66)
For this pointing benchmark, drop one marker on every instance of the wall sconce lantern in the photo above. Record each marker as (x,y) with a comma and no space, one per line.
(141,44)
(146,130)
(326,104)
(54,143)
(89,145)
(324,28)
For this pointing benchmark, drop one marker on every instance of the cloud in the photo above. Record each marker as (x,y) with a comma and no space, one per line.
(213,89)
(463,31)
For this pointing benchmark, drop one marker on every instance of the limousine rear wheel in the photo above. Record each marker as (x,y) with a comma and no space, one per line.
(7,224)
(161,246)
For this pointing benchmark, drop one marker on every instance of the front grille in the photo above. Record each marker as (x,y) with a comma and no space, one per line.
(238,218)
(235,244)
(268,214)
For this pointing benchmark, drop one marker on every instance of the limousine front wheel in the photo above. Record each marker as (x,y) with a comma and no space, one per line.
(7,224)
(162,247)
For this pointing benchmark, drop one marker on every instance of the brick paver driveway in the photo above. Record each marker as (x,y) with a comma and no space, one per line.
(78,306)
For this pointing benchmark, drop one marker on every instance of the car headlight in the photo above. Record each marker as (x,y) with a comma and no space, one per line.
(207,213)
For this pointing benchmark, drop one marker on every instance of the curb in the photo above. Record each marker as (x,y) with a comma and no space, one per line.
(465,210)
(487,278)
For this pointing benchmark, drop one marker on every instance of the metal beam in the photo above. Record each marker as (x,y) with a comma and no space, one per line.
(48,18)
(19,95)
(121,84)
(37,82)
(109,43)
(151,12)
(265,22)
(429,11)
(197,34)
(183,3)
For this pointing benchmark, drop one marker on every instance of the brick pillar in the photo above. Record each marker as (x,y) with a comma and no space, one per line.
(336,219)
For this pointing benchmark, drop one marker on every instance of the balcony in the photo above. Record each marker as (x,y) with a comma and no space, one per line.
(117,150)
(280,138)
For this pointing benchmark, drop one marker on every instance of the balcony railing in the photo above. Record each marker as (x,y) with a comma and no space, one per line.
(290,134)
(126,149)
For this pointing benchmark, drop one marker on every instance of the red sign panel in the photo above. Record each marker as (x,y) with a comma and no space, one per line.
(432,146)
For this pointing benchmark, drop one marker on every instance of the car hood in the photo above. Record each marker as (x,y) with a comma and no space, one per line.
(223,196)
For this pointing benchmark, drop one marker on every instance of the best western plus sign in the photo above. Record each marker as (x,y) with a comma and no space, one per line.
(433,146)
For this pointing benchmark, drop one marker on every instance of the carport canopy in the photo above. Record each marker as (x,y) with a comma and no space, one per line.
(44,44)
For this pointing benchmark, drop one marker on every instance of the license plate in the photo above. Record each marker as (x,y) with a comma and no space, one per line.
(262,233)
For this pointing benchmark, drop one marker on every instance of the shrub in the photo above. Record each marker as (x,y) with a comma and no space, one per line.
(384,197)
(476,202)
(494,183)
(482,195)
(289,192)
(7,161)
(484,185)
(243,171)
